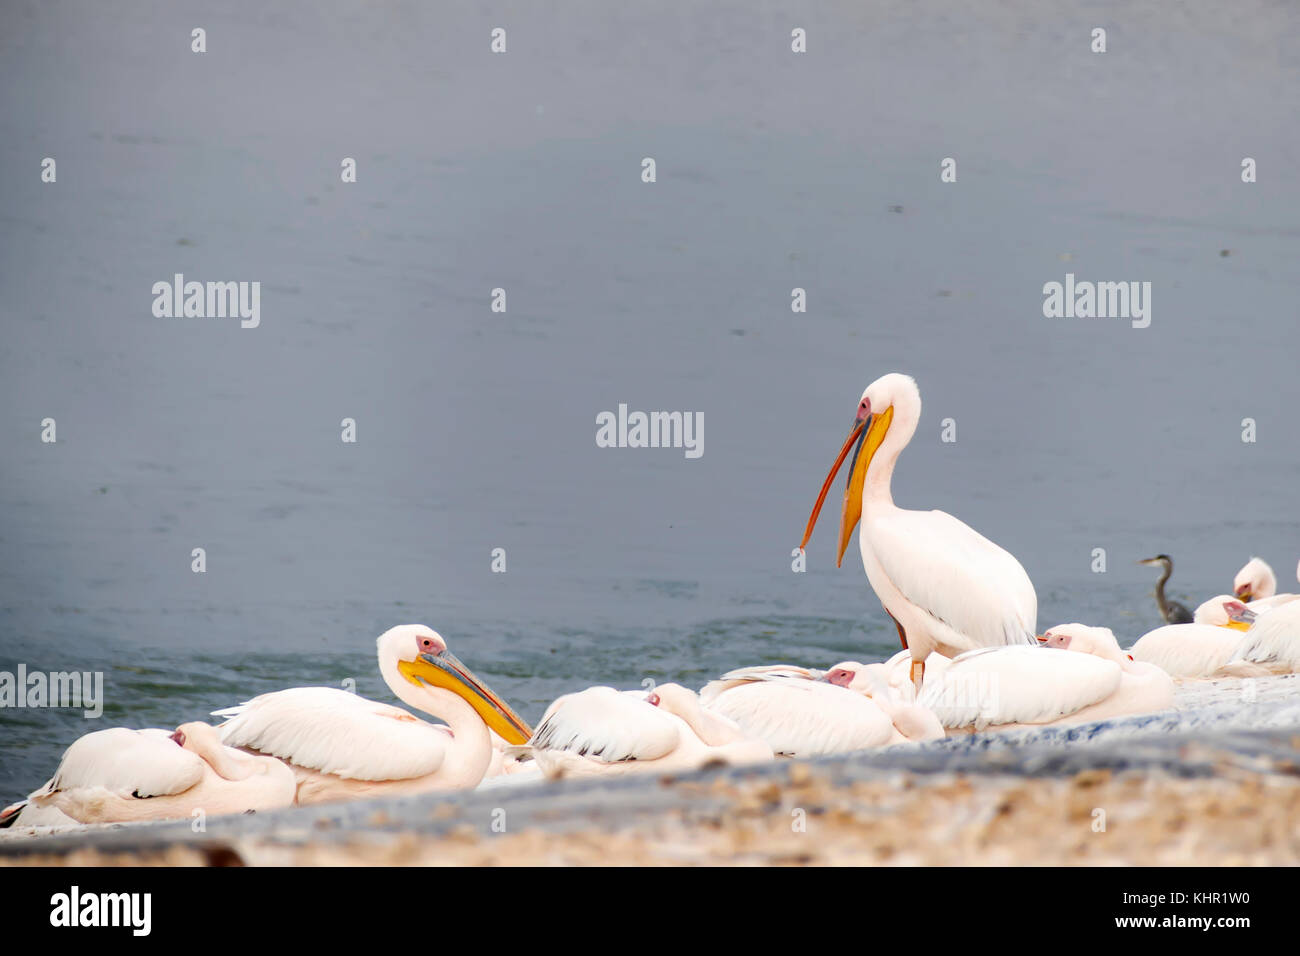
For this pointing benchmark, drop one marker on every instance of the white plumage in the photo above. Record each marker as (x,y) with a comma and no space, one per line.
(799,711)
(138,763)
(607,725)
(803,718)
(1273,641)
(119,775)
(1255,580)
(602,731)
(1187,650)
(971,592)
(335,732)
(1018,685)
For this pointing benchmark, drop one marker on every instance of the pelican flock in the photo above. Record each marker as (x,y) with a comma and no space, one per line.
(971,661)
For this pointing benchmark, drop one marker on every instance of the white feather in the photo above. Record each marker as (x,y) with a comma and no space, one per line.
(335,732)
(1187,650)
(773,672)
(805,717)
(1018,685)
(140,763)
(1273,640)
(607,725)
(975,593)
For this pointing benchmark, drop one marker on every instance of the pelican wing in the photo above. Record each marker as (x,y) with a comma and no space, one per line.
(768,672)
(321,728)
(139,763)
(773,672)
(608,725)
(1018,685)
(804,718)
(965,582)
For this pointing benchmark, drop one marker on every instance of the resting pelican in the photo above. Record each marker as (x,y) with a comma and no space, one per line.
(342,746)
(804,713)
(947,588)
(1171,611)
(1214,612)
(1079,675)
(121,775)
(601,731)
(1194,650)
(1255,580)
(1273,641)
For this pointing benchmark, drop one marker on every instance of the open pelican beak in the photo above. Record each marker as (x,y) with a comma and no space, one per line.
(867,433)
(444,670)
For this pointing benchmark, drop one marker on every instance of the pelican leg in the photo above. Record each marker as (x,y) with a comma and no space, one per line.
(902,634)
(918,674)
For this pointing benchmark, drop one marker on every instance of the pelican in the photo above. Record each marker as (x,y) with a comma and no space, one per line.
(120,775)
(1214,612)
(947,588)
(602,731)
(1195,650)
(805,713)
(1255,580)
(1078,675)
(1273,641)
(341,746)
(1221,610)
(1171,611)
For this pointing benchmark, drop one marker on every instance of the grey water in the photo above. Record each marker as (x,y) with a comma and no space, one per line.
(476,429)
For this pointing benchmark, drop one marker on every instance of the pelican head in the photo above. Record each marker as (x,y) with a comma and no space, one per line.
(849,674)
(421,657)
(1214,611)
(1240,617)
(673,698)
(871,425)
(1098,641)
(1255,580)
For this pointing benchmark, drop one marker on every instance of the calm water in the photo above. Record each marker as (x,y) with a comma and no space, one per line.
(476,429)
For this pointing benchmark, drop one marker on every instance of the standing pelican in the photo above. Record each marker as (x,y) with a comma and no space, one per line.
(119,775)
(1171,611)
(342,746)
(948,588)
(1255,580)
(602,731)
